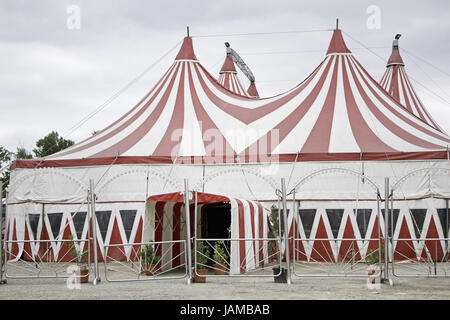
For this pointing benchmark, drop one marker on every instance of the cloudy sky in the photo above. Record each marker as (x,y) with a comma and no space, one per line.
(53,74)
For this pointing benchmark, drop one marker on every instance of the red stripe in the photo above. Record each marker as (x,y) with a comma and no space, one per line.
(394,83)
(288,157)
(134,255)
(134,137)
(252,221)
(176,234)
(322,251)
(115,253)
(227,81)
(242,251)
(232,84)
(159,223)
(390,124)
(405,95)
(261,231)
(364,136)
(169,144)
(319,137)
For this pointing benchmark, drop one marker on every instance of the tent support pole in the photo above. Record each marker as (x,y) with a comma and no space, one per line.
(188,230)
(93,218)
(380,258)
(386,230)
(286,230)
(446,225)
(294,225)
(2,256)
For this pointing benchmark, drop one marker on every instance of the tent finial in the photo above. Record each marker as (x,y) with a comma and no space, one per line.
(187,30)
(337,23)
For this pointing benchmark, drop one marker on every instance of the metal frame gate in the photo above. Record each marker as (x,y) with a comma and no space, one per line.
(350,265)
(141,269)
(225,267)
(434,260)
(45,266)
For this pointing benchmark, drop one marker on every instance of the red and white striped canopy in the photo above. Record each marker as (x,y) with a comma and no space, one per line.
(338,113)
(229,79)
(396,82)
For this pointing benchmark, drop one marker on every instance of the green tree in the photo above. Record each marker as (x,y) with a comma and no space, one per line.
(51,144)
(5,158)
(22,153)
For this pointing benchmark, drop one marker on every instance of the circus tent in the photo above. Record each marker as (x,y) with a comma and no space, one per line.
(229,79)
(338,113)
(189,126)
(395,80)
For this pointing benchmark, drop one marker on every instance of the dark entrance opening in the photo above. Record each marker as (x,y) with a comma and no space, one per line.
(216,224)
(216,221)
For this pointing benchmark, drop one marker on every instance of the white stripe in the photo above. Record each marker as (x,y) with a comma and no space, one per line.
(295,140)
(341,137)
(147,145)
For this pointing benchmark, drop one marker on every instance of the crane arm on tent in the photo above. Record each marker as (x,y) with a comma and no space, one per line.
(240,63)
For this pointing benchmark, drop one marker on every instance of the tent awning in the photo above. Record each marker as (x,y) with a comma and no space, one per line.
(202,197)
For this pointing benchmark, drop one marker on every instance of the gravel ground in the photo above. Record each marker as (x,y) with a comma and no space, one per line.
(226,288)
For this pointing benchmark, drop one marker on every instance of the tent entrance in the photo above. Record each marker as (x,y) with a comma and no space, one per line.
(216,221)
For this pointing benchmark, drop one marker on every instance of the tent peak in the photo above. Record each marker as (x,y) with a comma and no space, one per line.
(395,58)
(337,43)
(228,65)
(252,92)
(187,50)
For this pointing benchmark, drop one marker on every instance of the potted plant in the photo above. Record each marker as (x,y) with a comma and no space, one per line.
(373,259)
(149,260)
(202,260)
(82,263)
(221,258)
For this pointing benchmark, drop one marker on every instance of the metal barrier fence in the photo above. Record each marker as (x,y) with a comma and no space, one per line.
(342,257)
(143,264)
(37,259)
(251,262)
(429,258)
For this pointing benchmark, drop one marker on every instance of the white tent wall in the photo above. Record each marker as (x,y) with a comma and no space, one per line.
(246,181)
(126,187)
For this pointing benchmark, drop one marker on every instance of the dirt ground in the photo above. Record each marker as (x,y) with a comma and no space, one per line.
(226,288)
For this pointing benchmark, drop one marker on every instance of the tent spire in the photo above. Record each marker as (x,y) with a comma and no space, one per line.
(395,57)
(337,43)
(187,31)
